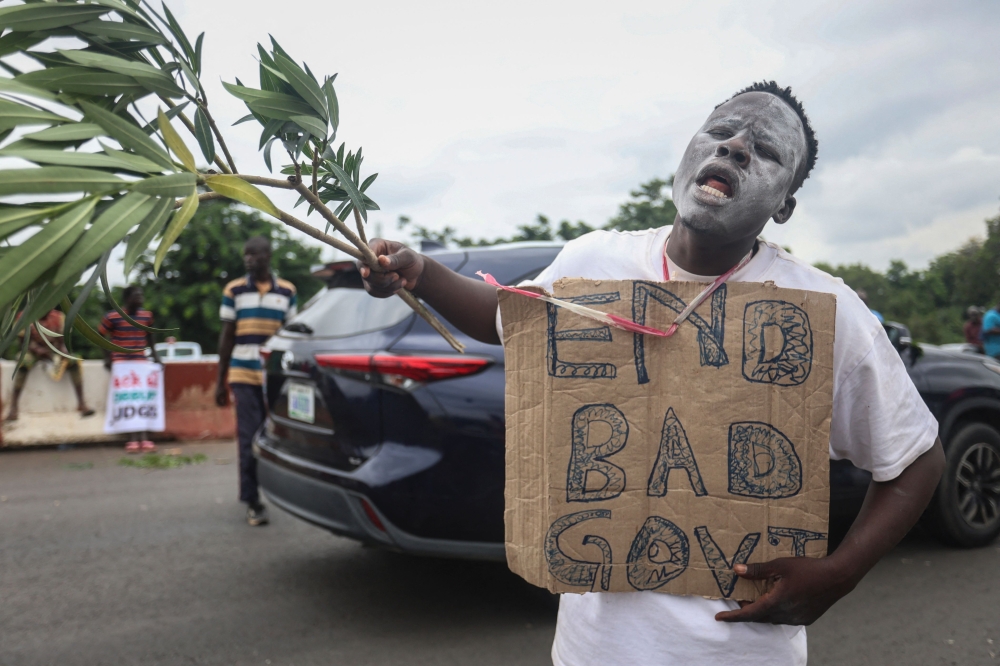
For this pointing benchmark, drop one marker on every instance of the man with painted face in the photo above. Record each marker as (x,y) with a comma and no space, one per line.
(740,170)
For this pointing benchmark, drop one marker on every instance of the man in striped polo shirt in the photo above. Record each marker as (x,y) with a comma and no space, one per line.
(253,309)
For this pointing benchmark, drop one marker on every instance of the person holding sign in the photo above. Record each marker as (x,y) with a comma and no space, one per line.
(135,390)
(741,169)
(253,309)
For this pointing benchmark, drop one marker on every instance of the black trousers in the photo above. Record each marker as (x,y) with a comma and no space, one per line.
(250,413)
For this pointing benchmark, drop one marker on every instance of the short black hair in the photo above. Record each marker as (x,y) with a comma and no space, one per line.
(260,242)
(129,290)
(771,87)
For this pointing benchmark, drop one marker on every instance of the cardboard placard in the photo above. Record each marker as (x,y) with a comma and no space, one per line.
(135,398)
(643,463)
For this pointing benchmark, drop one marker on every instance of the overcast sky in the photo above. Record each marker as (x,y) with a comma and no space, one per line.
(482,115)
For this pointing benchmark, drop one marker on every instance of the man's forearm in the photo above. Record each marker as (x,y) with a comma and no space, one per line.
(469,304)
(890,509)
(227,339)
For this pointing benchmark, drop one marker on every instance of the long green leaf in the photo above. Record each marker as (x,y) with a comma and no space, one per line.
(19,87)
(281,109)
(69,158)
(349,187)
(178,33)
(311,124)
(93,336)
(303,84)
(174,185)
(174,141)
(252,95)
(107,231)
(120,310)
(88,287)
(174,229)
(81,81)
(332,103)
(25,263)
(69,132)
(203,133)
(13,114)
(27,18)
(13,42)
(236,188)
(16,218)
(47,297)
(119,30)
(57,179)
(148,228)
(131,161)
(127,134)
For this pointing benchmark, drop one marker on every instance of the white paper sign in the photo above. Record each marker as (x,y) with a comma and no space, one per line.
(135,398)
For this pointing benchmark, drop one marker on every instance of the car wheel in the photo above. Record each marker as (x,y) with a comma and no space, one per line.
(965,510)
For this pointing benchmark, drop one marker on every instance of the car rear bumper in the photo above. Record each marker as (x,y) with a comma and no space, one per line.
(317,495)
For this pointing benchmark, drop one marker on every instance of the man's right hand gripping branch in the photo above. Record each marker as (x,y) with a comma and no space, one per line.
(470,305)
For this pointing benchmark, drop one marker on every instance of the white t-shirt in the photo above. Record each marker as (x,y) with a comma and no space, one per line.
(879,423)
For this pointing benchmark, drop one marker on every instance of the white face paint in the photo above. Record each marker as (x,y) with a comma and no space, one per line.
(739,168)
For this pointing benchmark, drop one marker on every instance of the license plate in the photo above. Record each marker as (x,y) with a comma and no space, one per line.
(301,402)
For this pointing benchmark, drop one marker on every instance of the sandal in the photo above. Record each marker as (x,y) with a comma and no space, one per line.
(147,445)
(132,447)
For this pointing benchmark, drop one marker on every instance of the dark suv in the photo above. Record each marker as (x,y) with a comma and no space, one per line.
(380,432)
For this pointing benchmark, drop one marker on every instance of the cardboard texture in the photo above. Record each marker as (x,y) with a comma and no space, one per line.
(644,463)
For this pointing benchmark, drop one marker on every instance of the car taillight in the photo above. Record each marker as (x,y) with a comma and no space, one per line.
(348,362)
(398,369)
(265,356)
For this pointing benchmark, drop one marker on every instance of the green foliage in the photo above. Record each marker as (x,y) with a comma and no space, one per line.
(649,207)
(188,291)
(932,302)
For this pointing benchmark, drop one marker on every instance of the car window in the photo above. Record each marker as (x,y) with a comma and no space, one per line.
(343,311)
(183,351)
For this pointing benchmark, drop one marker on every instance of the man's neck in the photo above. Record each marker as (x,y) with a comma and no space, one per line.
(701,255)
(262,276)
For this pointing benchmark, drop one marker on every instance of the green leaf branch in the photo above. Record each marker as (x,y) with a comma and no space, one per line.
(79,112)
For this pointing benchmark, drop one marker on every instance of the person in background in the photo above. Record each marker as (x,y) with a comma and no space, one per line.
(991,332)
(253,309)
(119,332)
(973,328)
(39,351)
(863,295)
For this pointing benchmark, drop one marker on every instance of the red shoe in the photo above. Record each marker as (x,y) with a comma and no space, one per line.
(147,445)
(132,447)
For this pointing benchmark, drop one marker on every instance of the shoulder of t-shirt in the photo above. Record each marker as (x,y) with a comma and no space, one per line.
(233,284)
(600,246)
(285,284)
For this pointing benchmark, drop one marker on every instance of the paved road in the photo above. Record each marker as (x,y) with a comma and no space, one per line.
(103,564)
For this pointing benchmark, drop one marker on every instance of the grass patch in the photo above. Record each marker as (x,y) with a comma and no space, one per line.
(162,461)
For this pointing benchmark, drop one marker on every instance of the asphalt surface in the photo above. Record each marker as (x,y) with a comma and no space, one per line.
(105,564)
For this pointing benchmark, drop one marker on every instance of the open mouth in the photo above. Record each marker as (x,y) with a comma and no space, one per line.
(716,185)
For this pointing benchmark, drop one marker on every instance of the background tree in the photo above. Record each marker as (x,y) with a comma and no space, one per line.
(649,207)
(187,293)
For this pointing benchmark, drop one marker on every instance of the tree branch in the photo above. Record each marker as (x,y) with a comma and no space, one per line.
(372,262)
(361,226)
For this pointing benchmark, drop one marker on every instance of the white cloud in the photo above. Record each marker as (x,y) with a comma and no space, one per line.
(482,115)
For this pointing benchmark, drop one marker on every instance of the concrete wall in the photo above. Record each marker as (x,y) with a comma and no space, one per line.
(48,409)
